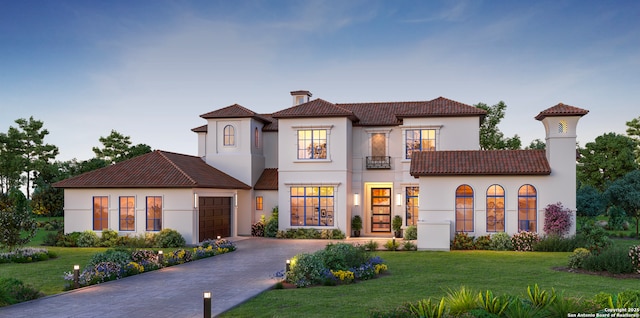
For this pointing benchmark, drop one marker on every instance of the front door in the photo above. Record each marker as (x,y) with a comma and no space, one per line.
(381,210)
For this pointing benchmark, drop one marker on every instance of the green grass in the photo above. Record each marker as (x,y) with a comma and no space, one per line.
(418,275)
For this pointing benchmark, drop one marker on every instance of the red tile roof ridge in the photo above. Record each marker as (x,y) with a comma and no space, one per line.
(163,154)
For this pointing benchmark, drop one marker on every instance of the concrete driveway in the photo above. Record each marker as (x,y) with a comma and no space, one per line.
(177,291)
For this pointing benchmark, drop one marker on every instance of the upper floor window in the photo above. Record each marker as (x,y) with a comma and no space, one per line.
(495,208)
(100,213)
(154,213)
(464,209)
(229,133)
(256,137)
(312,144)
(527,208)
(419,140)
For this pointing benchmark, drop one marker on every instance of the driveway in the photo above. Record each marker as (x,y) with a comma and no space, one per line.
(177,291)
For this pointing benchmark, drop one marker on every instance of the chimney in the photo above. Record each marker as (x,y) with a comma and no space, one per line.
(300,97)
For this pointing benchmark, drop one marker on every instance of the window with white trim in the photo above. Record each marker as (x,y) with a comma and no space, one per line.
(419,140)
(229,133)
(312,206)
(312,144)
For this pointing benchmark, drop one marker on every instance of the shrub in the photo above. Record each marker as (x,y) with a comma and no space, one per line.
(392,245)
(426,308)
(409,246)
(176,257)
(112,255)
(371,245)
(462,241)
(595,237)
(501,242)
(411,233)
(577,257)
(332,234)
(617,219)
(557,219)
(460,300)
(26,255)
(109,238)
(306,270)
(482,242)
(13,291)
(88,238)
(556,243)
(271,227)
(492,304)
(342,256)
(523,241)
(634,255)
(614,260)
(148,259)
(169,238)
(257,229)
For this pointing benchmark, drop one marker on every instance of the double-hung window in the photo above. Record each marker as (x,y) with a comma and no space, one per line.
(419,140)
(154,213)
(312,144)
(127,213)
(100,213)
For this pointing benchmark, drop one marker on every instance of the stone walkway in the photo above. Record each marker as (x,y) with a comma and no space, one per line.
(177,291)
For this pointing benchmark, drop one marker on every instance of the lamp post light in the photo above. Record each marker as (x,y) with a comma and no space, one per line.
(287,266)
(160,257)
(394,243)
(218,237)
(76,276)
(207,304)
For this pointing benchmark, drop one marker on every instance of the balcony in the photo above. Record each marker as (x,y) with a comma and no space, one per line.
(379,162)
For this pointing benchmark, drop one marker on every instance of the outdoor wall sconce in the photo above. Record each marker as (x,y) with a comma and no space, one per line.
(195,200)
(356,199)
(207,304)
(76,276)
(399,199)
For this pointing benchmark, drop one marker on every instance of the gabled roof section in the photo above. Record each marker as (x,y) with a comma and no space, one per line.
(203,128)
(268,180)
(479,162)
(315,108)
(157,169)
(391,113)
(562,110)
(234,111)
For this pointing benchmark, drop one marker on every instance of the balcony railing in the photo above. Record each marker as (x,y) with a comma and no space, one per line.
(379,162)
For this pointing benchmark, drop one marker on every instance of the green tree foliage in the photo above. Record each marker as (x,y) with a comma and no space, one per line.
(36,153)
(490,135)
(17,226)
(117,147)
(537,144)
(11,160)
(625,193)
(606,159)
(633,131)
(589,201)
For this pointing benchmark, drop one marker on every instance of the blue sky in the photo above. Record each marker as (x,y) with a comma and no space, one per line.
(148,69)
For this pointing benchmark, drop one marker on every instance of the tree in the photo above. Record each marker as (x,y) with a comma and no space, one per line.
(625,194)
(589,201)
(633,131)
(537,144)
(17,226)
(35,152)
(490,135)
(117,148)
(11,160)
(606,159)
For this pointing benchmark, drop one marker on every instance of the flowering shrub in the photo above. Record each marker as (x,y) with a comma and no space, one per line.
(501,242)
(219,244)
(344,277)
(462,241)
(634,254)
(133,268)
(557,219)
(26,255)
(577,257)
(482,242)
(95,274)
(523,241)
(203,252)
(380,268)
(176,257)
(257,229)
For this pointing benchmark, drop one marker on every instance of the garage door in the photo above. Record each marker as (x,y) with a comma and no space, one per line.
(214,217)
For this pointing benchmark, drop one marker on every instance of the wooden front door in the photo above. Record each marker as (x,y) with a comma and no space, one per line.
(214,217)
(381,210)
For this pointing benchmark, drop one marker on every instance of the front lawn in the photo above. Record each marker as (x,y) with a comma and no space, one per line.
(418,275)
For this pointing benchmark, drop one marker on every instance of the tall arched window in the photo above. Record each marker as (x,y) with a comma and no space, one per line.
(495,208)
(464,209)
(527,208)
(229,135)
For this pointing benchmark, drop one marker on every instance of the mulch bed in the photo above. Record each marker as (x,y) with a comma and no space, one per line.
(605,274)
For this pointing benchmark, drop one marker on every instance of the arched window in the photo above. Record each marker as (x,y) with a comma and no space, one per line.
(527,208)
(256,137)
(495,209)
(464,209)
(229,136)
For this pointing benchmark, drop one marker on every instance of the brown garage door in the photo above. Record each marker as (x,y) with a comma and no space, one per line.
(214,217)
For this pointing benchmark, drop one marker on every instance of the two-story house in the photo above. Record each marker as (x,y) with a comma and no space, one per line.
(321,163)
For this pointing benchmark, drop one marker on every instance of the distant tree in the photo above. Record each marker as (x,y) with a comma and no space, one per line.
(490,135)
(11,160)
(589,201)
(633,131)
(625,193)
(117,147)
(606,159)
(537,144)
(17,226)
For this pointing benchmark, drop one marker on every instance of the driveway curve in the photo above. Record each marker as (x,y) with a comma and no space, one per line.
(177,291)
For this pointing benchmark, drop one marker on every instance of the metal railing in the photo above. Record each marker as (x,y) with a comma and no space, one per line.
(378,162)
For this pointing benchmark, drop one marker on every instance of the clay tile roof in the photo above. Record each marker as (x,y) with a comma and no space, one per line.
(315,108)
(479,162)
(157,169)
(203,128)
(562,110)
(268,180)
(233,111)
(391,113)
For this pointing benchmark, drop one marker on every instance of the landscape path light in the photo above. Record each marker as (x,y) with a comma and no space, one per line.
(76,276)
(207,304)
